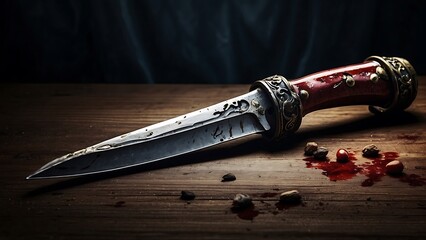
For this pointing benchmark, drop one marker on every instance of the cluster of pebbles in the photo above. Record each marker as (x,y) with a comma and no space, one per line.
(242,201)
(342,155)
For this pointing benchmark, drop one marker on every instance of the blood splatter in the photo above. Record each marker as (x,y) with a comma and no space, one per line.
(374,169)
(335,170)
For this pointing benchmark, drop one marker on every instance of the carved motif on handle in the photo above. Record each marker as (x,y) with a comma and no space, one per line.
(288,108)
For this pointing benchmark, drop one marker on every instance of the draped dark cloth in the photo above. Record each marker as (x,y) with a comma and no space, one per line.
(191,41)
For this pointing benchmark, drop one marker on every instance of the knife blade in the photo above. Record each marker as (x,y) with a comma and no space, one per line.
(273,107)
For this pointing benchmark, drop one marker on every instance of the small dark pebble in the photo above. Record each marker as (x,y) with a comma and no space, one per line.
(228,177)
(370,150)
(242,201)
(394,168)
(321,153)
(292,196)
(310,148)
(187,195)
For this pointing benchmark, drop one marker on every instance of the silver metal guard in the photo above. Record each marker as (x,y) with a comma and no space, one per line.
(403,77)
(287,106)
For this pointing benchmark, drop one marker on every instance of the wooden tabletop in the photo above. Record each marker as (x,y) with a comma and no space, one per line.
(40,122)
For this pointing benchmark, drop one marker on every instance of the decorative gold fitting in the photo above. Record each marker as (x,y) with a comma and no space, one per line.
(304,94)
(349,80)
(381,73)
(287,105)
(374,78)
(403,78)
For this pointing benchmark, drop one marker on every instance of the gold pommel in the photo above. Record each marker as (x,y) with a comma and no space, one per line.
(403,77)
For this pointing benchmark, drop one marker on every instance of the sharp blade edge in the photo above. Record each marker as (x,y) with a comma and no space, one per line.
(155,150)
(200,129)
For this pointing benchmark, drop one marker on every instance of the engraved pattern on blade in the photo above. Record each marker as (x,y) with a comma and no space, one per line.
(226,109)
(240,106)
(288,107)
(403,77)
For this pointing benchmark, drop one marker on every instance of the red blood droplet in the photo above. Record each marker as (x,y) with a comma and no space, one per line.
(342,155)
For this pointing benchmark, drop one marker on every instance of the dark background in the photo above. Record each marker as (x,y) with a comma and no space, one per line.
(201,41)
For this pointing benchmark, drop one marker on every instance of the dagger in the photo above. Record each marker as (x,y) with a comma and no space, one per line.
(273,107)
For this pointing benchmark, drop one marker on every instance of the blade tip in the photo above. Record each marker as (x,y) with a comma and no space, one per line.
(36,175)
(31,176)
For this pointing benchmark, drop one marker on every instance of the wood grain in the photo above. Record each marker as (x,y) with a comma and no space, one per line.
(40,122)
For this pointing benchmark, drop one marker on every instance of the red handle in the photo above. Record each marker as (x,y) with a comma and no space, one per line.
(358,84)
(387,84)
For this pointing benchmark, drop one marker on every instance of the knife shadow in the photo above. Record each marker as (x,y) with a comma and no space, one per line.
(241,147)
